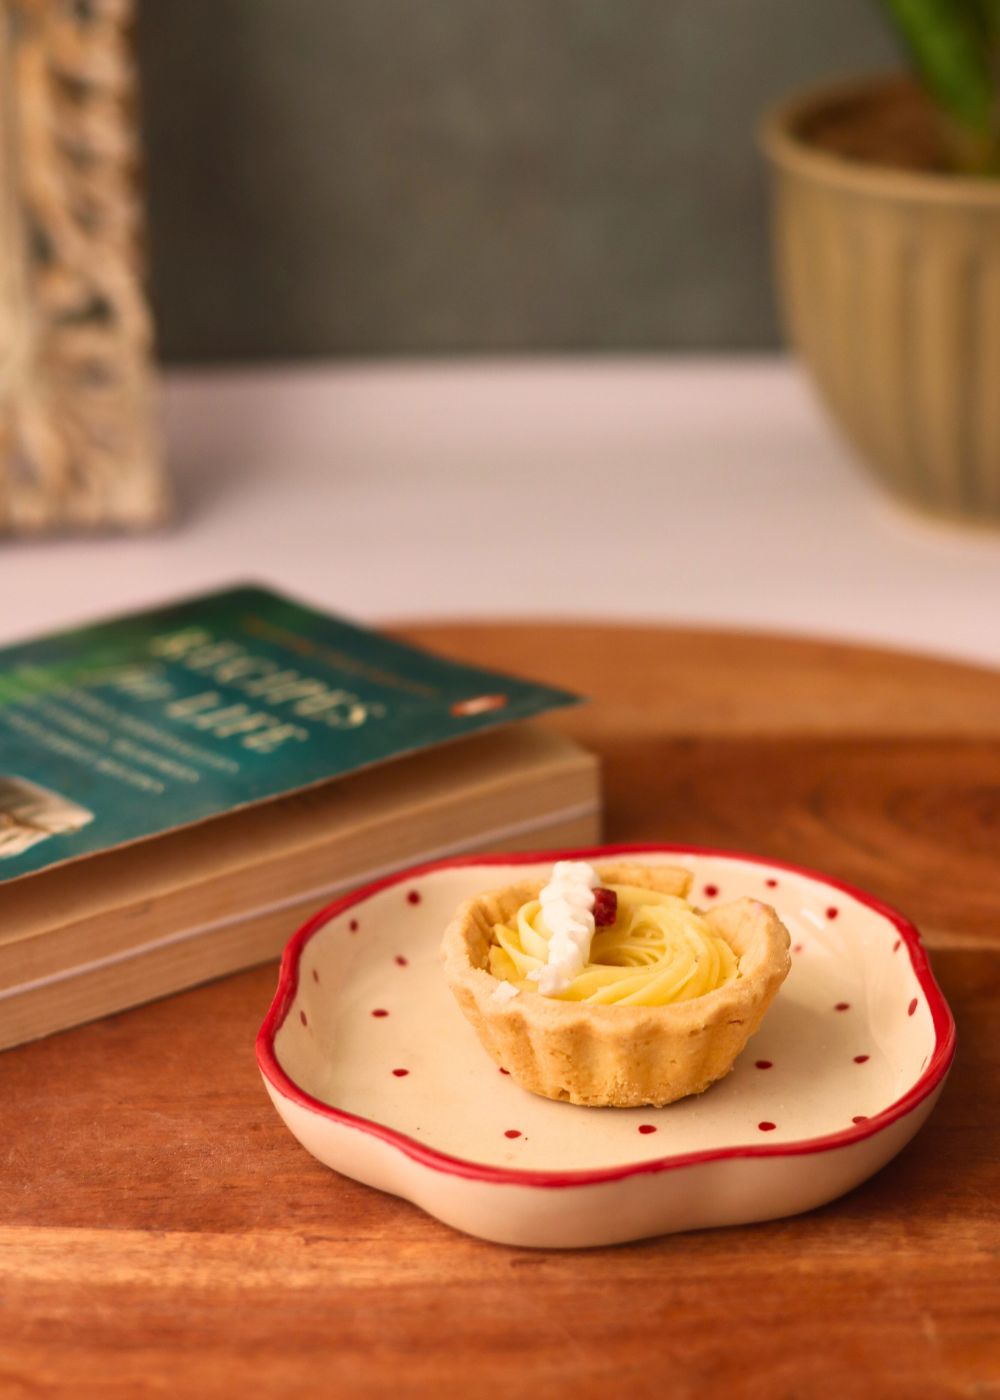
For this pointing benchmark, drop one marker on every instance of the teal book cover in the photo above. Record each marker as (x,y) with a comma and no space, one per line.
(136,726)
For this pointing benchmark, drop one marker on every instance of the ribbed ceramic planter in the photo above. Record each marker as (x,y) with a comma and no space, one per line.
(890,283)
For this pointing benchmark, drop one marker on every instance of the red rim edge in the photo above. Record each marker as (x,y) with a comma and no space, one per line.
(288,979)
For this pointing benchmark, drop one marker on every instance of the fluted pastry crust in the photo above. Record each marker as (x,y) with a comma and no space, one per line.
(620,1056)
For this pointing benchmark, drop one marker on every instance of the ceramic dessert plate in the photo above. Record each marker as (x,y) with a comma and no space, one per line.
(373,1067)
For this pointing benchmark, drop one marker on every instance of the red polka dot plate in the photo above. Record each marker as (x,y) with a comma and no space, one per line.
(374,1069)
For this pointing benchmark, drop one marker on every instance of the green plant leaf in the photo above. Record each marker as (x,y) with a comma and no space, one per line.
(947,41)
(987,15)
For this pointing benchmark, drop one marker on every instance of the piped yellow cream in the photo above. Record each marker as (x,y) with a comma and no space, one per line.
(659,950)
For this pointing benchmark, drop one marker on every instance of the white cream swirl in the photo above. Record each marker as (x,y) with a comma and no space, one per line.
(567,908)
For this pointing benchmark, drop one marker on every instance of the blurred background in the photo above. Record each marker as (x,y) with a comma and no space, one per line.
(328,178)
(416,266)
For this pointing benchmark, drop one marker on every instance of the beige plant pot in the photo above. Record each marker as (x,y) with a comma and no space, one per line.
(890,284)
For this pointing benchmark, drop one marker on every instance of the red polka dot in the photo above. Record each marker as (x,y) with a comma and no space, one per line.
(504,1071)
(302,1018)
(766,1127)
(763,1064)
(897,945)
(711,891)
(912,1007)
(413,897)
(860,1118)
(401,961)
(353,925)
(401,1073)
(380,1011)
(771,884)
(315,975)
(512,1133)
(797,947)
(861,1059)
(842,1006)
(832,912)
(647,1128)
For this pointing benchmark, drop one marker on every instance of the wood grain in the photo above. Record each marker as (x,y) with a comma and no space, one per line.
(162,1234)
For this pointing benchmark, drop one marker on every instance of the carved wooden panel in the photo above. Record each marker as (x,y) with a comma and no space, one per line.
(78,445)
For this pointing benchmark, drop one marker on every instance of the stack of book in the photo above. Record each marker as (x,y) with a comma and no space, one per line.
(179,789)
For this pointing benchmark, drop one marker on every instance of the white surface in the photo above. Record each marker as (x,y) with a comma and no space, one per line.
(703,492)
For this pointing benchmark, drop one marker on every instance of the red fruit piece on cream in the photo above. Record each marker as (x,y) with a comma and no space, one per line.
(605,907)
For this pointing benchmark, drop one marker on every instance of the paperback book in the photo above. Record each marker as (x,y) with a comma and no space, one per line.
(179,786)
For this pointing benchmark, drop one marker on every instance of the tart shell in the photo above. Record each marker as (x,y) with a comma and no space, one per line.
(617,1056)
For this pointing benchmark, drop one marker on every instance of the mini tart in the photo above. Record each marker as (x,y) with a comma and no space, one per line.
(617,1056)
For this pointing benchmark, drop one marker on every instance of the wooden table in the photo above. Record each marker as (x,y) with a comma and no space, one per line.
(162,1234)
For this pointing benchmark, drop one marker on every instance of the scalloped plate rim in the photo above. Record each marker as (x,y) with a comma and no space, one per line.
(278,1081)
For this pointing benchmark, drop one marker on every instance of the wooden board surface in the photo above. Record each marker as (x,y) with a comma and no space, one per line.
(162,1234)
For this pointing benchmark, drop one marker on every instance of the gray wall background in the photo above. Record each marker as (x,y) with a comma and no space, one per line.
(369,177)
